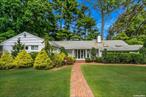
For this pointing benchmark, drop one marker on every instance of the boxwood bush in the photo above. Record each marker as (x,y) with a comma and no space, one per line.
(42,61)
(23,60)
(6,61)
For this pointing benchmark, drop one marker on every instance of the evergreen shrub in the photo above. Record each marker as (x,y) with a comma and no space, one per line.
(6,61)
(23,60)
(58,59)
(69,60)
(42,61)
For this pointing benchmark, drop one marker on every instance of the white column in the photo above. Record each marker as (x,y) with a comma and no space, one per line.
(80,54)
(77,53)
(86,53)
(100,53)
(73,54)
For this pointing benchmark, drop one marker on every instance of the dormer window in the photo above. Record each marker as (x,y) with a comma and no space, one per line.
(105,45)
(118,45)
(24,35)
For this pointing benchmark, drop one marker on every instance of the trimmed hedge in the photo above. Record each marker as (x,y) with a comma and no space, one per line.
(6,61)
(134,58)
(23,60)
(119,57)
(98,60)
(42,61)
(88,60)
(95,59)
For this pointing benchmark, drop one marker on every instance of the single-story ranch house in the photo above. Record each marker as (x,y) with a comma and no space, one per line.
(78,49)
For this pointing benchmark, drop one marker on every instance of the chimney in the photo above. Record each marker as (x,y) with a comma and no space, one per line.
(99,39)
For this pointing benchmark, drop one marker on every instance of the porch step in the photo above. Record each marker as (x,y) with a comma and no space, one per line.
(80,61)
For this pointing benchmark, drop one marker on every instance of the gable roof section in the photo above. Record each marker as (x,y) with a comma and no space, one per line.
(32,38)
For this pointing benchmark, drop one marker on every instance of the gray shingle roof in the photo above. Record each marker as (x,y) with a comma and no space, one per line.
(110,45)
(124,48)
(77,44)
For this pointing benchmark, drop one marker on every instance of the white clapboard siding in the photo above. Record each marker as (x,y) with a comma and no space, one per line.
(28,41)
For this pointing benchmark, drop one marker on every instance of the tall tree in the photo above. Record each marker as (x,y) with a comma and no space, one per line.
(59,18)
(34,16)
(87,25)
(106,7)
(132,23)
(72,20)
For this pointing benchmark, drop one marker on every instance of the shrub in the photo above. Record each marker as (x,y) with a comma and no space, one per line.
(42,61)
(23,60)
(88,60)
(98,59)
(6,61)
(69,60)
(93,54)
(137,59)
(63,50)
(115,57)
(109,58)
(58,59)
(125,57)
(33,55)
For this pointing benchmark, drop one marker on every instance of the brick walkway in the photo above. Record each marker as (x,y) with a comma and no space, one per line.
(79,86)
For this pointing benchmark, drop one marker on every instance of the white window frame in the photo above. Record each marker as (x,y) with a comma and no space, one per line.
(34,47)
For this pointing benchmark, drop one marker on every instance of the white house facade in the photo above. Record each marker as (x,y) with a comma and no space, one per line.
(78,49)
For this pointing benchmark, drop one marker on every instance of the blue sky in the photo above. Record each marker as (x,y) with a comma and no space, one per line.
(109,19)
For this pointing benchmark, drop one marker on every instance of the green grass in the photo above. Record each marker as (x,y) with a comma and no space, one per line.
(35,83)
(116,81)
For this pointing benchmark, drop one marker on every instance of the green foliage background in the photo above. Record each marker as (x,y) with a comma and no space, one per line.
(61,20)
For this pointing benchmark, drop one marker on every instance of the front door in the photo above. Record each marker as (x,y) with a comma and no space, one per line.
(80,54)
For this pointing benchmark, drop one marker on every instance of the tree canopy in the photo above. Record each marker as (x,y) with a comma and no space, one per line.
(132,23)
(61,20)
(70,20)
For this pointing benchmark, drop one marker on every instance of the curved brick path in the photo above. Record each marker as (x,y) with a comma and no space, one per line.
(79,86)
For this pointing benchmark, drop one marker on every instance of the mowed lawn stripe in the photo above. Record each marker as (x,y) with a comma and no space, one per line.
(35,83)
(115,81)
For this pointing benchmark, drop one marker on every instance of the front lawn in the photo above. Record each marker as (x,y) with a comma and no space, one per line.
(116,81)
(35,83)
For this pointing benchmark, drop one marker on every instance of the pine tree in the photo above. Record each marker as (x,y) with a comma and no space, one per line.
(18,47)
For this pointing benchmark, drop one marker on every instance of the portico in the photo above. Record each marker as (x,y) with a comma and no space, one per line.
(81,54)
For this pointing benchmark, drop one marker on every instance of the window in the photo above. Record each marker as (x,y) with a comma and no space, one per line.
(26,47)
(34,47)
(118,45)
(1,48)
(88,53)
(24,35)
